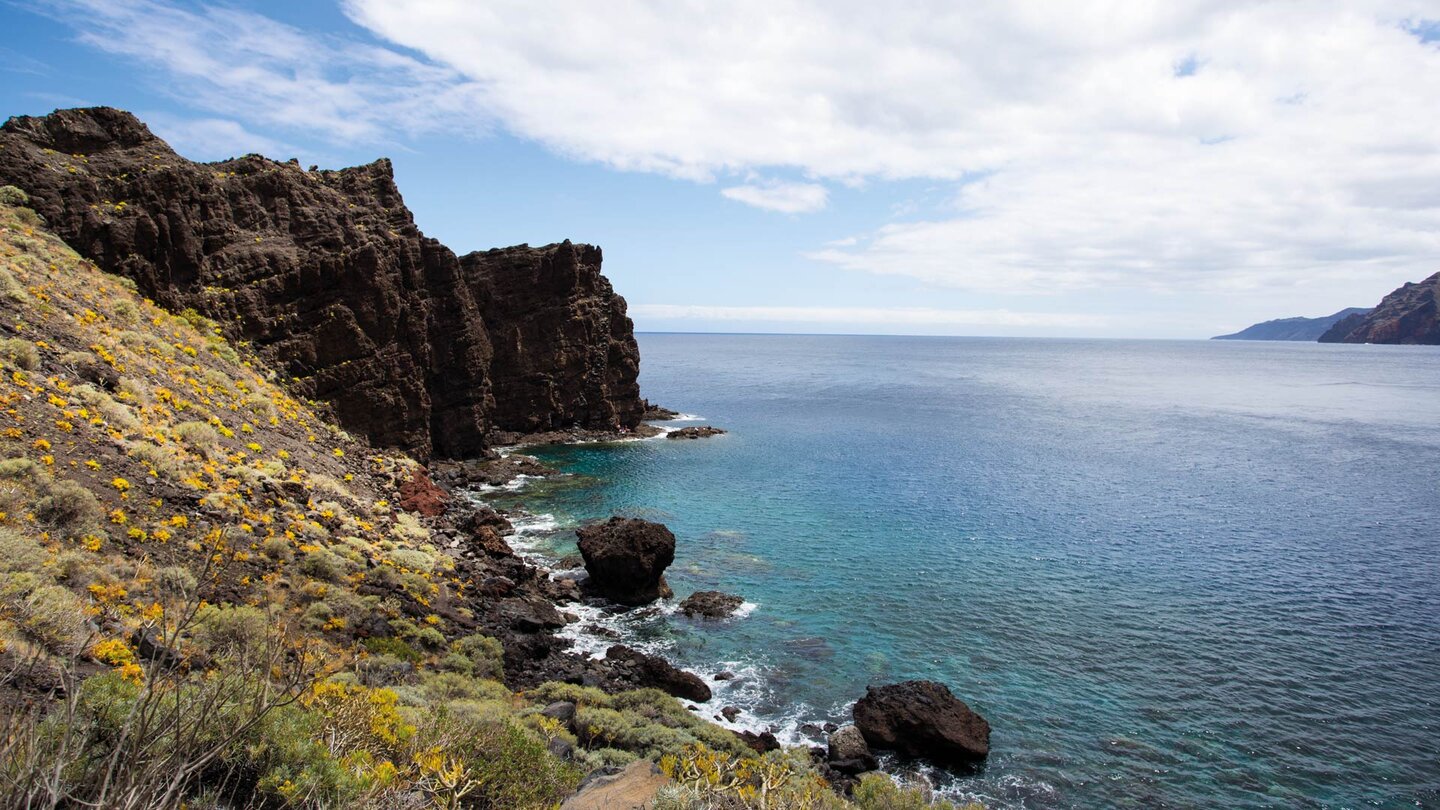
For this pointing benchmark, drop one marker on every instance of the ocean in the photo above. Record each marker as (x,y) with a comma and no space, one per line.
(1169,573)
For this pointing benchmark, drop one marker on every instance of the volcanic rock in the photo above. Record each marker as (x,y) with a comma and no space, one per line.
(694,432)
(327,277)
(626,559)
(485,517)
(532,615)
(923,719)
(562,711)
(419,494)
(710,604)
(485,539)
(759,743)
(658,413)
(648,670)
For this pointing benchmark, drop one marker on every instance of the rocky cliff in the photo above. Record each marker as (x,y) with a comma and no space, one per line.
(1410,314)
(326,274)
(1292,328)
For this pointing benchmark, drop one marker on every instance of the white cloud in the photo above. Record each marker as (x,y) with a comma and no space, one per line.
(1193,146)
(881,316)
(787,198)
(242,64)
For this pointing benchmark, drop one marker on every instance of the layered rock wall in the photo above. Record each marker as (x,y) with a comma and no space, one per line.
(327,276)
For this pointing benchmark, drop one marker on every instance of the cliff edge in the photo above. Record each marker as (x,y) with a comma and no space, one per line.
(1410,314)
(326,274)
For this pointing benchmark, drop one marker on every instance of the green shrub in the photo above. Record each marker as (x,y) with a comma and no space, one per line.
(114,413)
(196,434)
(69,508)
(413,559)
(20,353)
(17,468)
(175,580)
(296,769)
(877,791)
(553,691)
(323,564)
(444,687)
(651,736)
(126,311)
(48,614)
(384,670)
(277,548)
(231,631)
(10,287)
(19,552)
(390,645)
(508,764)
(477,655)
(13,197)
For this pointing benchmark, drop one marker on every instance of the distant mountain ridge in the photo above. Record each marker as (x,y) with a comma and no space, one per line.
(1293,328)
(1410,314)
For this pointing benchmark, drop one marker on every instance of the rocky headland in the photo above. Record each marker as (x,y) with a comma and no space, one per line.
(1410,315)
(327,276)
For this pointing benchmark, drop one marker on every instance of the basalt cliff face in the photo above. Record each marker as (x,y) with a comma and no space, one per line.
(1410,314)
(326,274)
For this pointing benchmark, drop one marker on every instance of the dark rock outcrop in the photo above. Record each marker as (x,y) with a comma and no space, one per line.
(923,719)
(1301,329)
(710,604)
(327,277)
(1410,314)
(658,413)
(650,671)
(761,742)
(626,559)
(700,432)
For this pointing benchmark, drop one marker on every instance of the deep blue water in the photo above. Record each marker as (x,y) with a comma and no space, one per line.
(1170,574)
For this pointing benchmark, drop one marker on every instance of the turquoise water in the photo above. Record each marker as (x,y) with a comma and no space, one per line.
(1171,574)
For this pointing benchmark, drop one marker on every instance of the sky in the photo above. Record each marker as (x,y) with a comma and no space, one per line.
(1096,168)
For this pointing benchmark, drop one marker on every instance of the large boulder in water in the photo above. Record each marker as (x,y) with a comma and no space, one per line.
(922,719)
(626,559)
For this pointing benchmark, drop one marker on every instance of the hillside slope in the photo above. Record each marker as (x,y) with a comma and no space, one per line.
(1410,314)
(210,596)
(326,274)
(1302,329)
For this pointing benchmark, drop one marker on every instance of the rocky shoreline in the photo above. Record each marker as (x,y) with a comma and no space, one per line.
(625,560)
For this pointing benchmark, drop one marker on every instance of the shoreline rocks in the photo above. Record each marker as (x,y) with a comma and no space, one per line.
(700,432)
(848,753)
(626,559)
(710,605)
(657,413)
(923,719)
(650,671)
